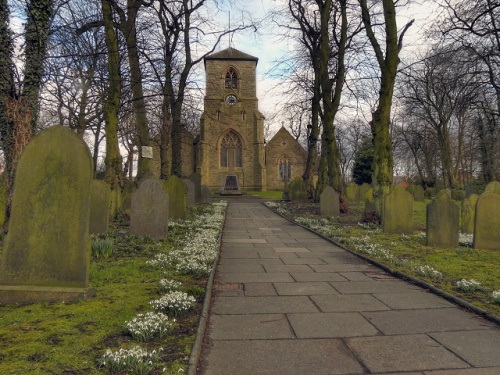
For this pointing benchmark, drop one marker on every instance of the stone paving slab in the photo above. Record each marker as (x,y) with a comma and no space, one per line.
(423,321)
(291,250)
(263,305)
(247,261)
(330,325)
(479,348)
(250,268)
(306,261)
(250,327)
(245,277)
(344,268)
(340,303)
(288,268)
(403,353)
(413,300)
(243,240)
(470,371)
(314,276)
(372,287)
(356,276)
(259,290)
(271,254)
(240,255)
(304,288)
(282,357)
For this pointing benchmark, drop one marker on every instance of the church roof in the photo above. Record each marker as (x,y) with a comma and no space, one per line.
(232,54)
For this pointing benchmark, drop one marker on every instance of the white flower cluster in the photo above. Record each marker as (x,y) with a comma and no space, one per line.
(160,260)
(466,239)
(272,204)
(136,359)
(166,285)
(146,326)
(468,286)
(428,271)
(174,303)
(496,297)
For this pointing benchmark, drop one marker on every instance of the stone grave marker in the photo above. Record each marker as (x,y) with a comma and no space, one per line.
(297,190)
(3,199)
(47,250)
(206,194)
(362,190)
(149,210)
(442,221)
(470,189)
(196,178)
(369,201)
(329,202)
(468,213)
(458,195)
(351,193)
(397,216)
(176,190)
(100,197)
(418,193)
(190,191)
(487,221)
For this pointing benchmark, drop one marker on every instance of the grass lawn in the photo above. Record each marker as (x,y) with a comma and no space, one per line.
(269,194)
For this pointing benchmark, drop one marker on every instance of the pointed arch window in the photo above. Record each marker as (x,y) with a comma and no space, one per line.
(231,80)
(285,168)
(231,151)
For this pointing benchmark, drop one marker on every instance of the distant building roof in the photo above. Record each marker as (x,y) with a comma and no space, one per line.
(231,54)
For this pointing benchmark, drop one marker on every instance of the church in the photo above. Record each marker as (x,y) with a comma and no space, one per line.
(230,153)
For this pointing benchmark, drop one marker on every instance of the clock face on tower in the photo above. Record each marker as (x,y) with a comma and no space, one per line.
(231,99)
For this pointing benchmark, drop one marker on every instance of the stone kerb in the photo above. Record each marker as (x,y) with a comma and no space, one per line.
(329,202)
(190,191)
(487,221)
(397,216)
(297,190)
(47,250)
(468,213)
(351,193)
(149,211)
(100,198)
(176,190)
(206,194)
(418,193)
(442,221)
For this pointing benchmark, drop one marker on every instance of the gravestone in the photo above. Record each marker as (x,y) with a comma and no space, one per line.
(418,193)
(128,189)
(458,195)
(3,199)
(297,190)
(468,213)
(206,194)
(351,193)
(190,191)
(410,189)
(329,202)
(362,190)
(369,201)
(397,216)
(442,221)
(196,178)
(47,250)
(100,197)
(429,193)
(487,221)
(149,211)
(176,190)
(470,189)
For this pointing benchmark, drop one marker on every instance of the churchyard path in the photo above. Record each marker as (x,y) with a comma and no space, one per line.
(285,301)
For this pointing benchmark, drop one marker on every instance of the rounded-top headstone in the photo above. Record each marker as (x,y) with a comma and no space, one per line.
(297,190)
(329,202)
(177,191)
(442,221)
(397,216)
(493,187)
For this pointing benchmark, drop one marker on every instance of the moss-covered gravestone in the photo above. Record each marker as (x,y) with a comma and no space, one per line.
(397,217)
(468,213)
(418,193)
(362,190)
(176,190)
(100,198)
(442,221)
(149,211)
(351,193)
(196,178)
(191,193)
(47,250)
(458,195)
(206,194)
(487,222)
(369,201)
(329,202)
(3,199)
(297,190)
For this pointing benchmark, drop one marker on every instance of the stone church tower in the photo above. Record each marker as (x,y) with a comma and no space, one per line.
(231,155)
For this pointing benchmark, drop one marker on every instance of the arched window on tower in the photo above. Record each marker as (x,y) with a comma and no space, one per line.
(231,151)
(285,168)
(231,81)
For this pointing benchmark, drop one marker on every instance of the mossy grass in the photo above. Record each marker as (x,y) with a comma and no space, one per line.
(268,194)
(54,338)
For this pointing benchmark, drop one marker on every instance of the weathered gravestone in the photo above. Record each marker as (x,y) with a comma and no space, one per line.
(3,199)
(329,202)
(369,201)
(468,213)
(362,190)
(442,221)
(458,195)
(196,178)
(176,190)
(397,216)
(297,190)
(487,222)
(128,189)
(100,197)
(149,211)
(190,192)
(351,193)
(206,194)
(47,250)
(418,193)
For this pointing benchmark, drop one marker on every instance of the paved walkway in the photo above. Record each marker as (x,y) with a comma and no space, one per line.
(288,302)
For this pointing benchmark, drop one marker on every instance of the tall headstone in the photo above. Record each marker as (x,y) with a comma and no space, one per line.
(362,190)
(418,193)
(3,199)
(351,193)
(329,202)
(297,190)
(47,250)
(176,190)
(397,216)
(100,197)
(149,211)
(369,201)
(196,178)
(487,221)
(190,191)
(442,221)
(468,213)
(206,194)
